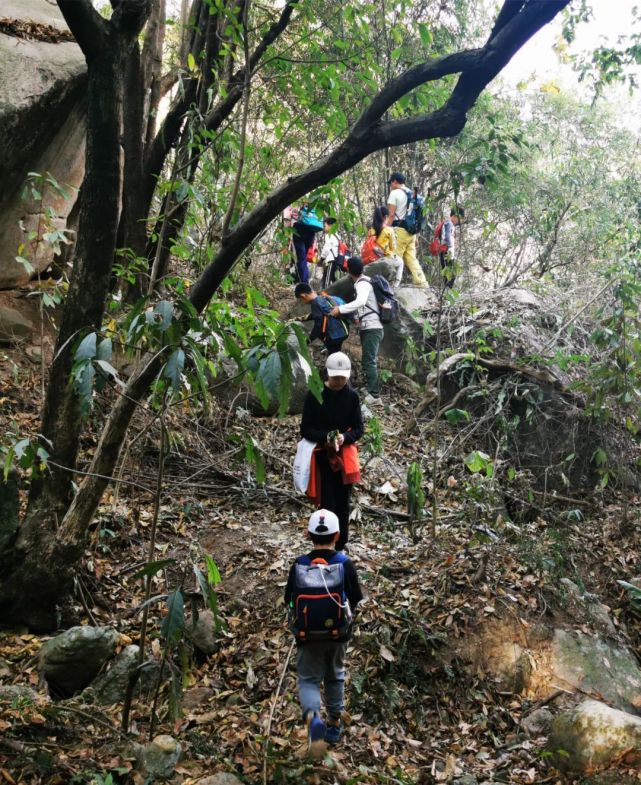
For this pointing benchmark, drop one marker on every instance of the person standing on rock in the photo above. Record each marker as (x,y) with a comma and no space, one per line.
(335,424)
(397,204)
(369,324)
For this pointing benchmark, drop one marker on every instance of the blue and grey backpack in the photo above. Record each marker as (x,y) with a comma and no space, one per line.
(319,608)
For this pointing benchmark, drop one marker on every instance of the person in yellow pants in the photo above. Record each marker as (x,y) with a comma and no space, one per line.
(397,203)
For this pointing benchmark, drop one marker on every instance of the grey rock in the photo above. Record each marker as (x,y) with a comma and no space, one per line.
(222,778)
(466,779)
(70,661)
(588,606)
(16,692)
(111,687)
(13,325)
(538,722)
(203,634)
(42,129)
(9,502)
(159,758)
(598,667)
(593,736)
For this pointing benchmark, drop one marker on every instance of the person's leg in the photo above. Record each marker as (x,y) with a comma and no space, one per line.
(328,482)
(342,499)
(449,273)
(397,263)
(300,247)
(334,679)
(370,341)
(310,668)
(406,248)
(334,346)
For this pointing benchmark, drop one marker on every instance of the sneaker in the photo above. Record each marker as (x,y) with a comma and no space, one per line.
(373,400)
(334,731)
(315,733)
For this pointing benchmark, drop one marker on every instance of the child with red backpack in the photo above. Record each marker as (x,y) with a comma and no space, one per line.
(322,593)
(381,245)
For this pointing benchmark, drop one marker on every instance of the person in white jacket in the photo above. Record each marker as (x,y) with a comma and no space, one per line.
(369,324)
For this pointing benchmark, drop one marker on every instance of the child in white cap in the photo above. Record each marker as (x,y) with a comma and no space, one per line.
(333,422)
(322,594)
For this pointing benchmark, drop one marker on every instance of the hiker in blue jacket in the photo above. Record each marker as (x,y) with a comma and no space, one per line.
(330,329)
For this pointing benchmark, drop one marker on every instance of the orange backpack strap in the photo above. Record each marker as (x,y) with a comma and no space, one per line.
(319,560)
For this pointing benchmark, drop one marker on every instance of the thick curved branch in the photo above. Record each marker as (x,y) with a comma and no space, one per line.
(477,67)
(88,27)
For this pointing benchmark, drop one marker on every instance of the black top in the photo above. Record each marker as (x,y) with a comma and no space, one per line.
(340,410)
(352,588)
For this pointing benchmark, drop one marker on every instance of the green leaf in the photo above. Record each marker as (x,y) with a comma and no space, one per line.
(455,416)
(174,622)
(152,567)
(105,349)
(213,573)
(477,461)
(174,368)
(87,348)
(164,310)
(191,62)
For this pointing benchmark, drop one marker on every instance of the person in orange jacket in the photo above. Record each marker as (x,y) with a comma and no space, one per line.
(334,424)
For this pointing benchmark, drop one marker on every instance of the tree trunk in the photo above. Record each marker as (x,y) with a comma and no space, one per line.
(38,569)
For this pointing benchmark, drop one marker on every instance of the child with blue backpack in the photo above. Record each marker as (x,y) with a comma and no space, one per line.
(322,593)
(331,330)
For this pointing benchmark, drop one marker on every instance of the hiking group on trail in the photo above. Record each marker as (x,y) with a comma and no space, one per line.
(322,590)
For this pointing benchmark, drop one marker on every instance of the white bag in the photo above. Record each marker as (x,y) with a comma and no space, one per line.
(302,464)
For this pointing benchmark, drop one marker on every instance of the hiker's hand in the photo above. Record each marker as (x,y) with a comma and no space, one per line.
(335,311)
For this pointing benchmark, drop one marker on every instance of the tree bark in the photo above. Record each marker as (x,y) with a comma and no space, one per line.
(42,562)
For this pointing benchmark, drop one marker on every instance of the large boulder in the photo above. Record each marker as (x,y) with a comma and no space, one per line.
(593,736)
(13,325)
(597,667)
(70,661)
(42,126)
(111,687)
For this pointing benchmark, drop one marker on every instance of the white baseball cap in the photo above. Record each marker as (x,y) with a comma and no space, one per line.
(323,522)
(338,364)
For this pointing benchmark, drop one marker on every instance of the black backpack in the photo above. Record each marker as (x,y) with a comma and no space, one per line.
(319,609)
(387,302)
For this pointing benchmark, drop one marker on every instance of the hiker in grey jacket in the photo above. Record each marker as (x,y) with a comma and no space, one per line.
(369,325)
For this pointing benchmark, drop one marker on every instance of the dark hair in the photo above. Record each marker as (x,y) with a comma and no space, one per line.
(458,211)
(302,288)
(322,539)
(378,219)
(398,176)
(355,265)
(329,221)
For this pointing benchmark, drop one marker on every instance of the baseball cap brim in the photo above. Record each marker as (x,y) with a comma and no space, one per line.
(339,372)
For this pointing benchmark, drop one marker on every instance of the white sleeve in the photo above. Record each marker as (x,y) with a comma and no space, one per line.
(362,293)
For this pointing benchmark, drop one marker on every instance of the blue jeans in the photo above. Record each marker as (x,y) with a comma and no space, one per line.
(303,239)
(322,662)
(370,342)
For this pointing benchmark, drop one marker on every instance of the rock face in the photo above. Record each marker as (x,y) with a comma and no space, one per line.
(597,667)
(70,661)
(159,759)
(42,127)
(592,736)
(13,325)
(222,778)
(111,687)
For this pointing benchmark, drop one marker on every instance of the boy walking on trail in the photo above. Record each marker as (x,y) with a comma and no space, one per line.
(331,330)
(322,593)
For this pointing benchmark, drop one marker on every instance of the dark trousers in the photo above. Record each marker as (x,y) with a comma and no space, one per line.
(446,264)
(303,239)
(335,496)
(334,346)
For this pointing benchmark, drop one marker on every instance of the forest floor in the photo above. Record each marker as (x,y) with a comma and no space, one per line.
(419,710)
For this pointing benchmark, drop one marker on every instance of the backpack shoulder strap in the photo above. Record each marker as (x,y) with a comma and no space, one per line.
(339,558)
(304,560)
